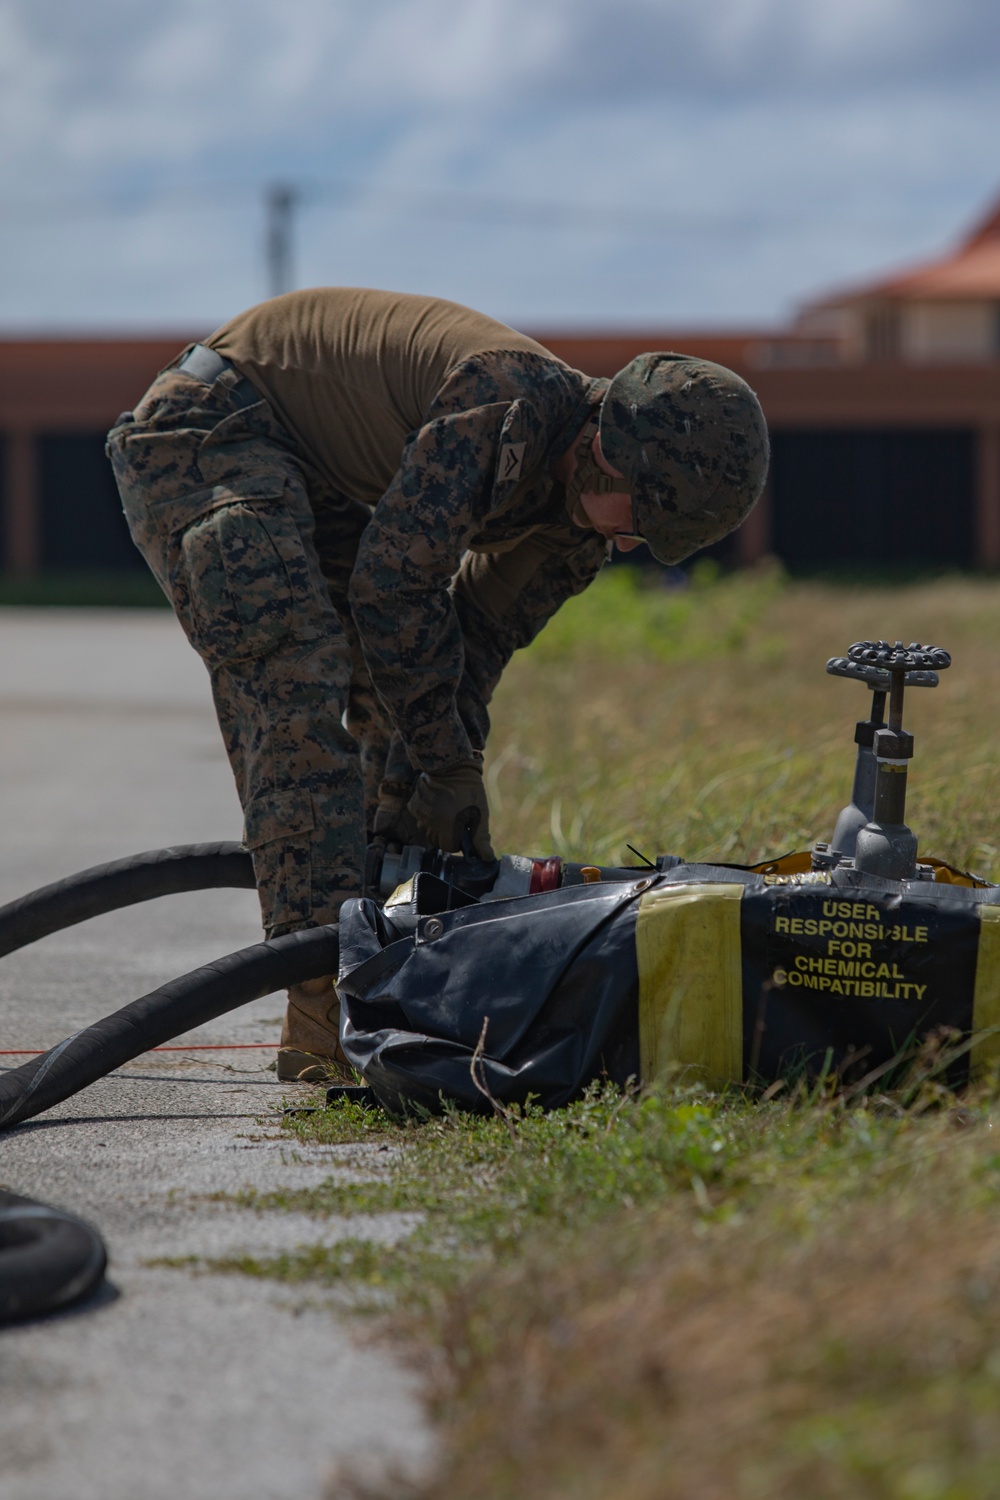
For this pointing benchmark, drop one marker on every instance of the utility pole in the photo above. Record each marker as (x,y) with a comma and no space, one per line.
(280,200)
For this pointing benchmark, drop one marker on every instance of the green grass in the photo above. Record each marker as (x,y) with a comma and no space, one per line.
(119,590)
(686,1295)
(631,610)
(740,751)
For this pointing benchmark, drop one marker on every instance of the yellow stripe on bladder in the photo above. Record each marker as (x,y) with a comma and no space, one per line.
(986,996)
(690,982)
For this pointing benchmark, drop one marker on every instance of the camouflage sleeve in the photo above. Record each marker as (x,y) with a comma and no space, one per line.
(504,599)
(447,484)
(399,589)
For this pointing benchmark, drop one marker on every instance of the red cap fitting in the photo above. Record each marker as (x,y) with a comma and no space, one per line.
(545,875)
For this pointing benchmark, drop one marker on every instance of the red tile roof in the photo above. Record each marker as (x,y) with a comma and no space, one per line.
(971,272)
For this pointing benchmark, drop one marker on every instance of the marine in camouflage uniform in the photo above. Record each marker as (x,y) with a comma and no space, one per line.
(348,497)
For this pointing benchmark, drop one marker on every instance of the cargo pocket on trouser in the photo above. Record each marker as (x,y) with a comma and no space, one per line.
(258,613)
(300,779)
(367,722)
(340,523)
(153,470)
(278,831)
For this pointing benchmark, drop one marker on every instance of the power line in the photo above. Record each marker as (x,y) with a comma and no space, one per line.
(105,203)
(354,196)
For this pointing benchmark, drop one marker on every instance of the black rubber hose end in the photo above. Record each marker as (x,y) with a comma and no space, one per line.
(173,1009)
(49,1259)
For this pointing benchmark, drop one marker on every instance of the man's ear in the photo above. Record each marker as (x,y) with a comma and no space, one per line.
(601,461)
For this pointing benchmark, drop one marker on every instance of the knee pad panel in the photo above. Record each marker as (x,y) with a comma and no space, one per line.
(249,584)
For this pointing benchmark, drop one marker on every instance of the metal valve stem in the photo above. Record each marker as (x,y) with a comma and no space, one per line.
(885,845)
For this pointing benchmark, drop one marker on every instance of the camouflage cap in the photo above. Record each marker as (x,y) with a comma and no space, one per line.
(690,437)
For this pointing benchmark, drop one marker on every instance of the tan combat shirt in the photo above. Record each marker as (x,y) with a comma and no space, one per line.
(446,422)
(352,372)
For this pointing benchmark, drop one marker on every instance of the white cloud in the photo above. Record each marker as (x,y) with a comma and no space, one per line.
(832,139)
(768,205)
(30,79)
(237,68)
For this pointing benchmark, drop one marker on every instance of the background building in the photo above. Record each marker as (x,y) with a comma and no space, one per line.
(883,403)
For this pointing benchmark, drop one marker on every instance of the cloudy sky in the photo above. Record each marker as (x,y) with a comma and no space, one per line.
(557,163)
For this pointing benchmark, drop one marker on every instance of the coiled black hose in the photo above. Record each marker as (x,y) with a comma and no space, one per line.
(48,1258)
(189,1001)
(123,882)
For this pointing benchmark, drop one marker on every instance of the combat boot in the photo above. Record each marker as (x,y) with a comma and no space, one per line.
(310,1050)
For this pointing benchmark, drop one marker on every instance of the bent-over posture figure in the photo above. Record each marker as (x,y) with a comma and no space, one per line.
(360,504)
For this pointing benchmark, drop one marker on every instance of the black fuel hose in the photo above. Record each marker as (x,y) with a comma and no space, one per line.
(123,882)
(48,1258)
(189,1001)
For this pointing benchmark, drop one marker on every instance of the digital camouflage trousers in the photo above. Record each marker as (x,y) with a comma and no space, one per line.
(255,560)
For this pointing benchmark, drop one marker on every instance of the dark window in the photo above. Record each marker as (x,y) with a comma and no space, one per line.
(882,333)
(82,525)
(901,498)
(4,440)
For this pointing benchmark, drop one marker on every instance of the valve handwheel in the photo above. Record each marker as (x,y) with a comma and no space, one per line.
(899,658)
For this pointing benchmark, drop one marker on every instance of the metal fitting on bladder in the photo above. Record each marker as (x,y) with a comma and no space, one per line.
(884,845)
(868,662)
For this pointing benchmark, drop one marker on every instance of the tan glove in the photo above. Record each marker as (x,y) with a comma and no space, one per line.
(393,821)
(447,804)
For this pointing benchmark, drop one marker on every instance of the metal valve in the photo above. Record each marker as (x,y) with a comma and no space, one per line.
(871,829)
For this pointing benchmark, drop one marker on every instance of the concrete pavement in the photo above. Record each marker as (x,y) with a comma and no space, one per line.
(172,1385)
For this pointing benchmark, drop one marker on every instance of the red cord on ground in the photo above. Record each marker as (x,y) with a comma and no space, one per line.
(195,1047)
